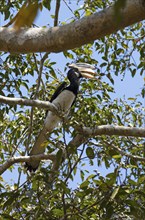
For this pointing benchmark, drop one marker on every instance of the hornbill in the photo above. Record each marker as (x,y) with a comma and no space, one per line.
(63,99)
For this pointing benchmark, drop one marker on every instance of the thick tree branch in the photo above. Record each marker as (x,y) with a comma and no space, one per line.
(113,130)
(37,103)
(79,139)
(14,160)
(71,35)
(85,131)
(109,130)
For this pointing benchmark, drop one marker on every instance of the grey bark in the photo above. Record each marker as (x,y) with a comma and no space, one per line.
(71,35)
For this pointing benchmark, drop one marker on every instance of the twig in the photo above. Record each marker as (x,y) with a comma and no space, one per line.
(56,12)
(123,153)
(68,7)
(32,111)
(40,74)
(64,206)
(75,164)
(66,146)
(54,169)
(30,130)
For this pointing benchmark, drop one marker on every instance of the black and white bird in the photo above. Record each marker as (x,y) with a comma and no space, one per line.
(63,99)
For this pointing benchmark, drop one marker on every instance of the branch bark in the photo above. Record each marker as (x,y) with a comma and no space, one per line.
(37,103)
(71,35)
(86,132)
(113,130)
(14,160)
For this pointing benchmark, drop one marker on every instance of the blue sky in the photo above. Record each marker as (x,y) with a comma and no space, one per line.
(127,87)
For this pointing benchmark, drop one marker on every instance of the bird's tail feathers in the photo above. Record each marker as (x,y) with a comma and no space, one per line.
(38,148)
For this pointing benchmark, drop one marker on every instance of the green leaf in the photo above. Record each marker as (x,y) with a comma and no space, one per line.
(10,200)
(115,192)
(119,119)
(117,156)
(133,72)
(90,153)
(84,184)
(47,4)
(132,99)
(82,175)
(132,182)
(88,12)
(59,155)
(7,217)
(26,15)
(110,78)
(58,212)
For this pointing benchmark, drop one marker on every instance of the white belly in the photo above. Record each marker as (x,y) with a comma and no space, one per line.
(63,102)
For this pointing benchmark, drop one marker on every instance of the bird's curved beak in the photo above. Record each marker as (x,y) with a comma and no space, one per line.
(86,70)
(88,73)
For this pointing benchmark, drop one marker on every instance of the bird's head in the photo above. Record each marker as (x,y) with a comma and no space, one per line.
(83,70)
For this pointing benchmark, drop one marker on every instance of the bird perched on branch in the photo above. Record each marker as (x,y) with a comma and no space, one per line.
(63,99)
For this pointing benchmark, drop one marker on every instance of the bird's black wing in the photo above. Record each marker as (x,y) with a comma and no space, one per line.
(58,91)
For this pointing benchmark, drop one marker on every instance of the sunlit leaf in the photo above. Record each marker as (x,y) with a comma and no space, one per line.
(115,192)
(26,15)
(84,184)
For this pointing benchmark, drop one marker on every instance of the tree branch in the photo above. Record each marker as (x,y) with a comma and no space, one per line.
(123,153)
(85,131)
(14,160)
(74,165)
(37,103)
(113,130)
(71,35)
(79,139)
(40,73)
(56,12)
